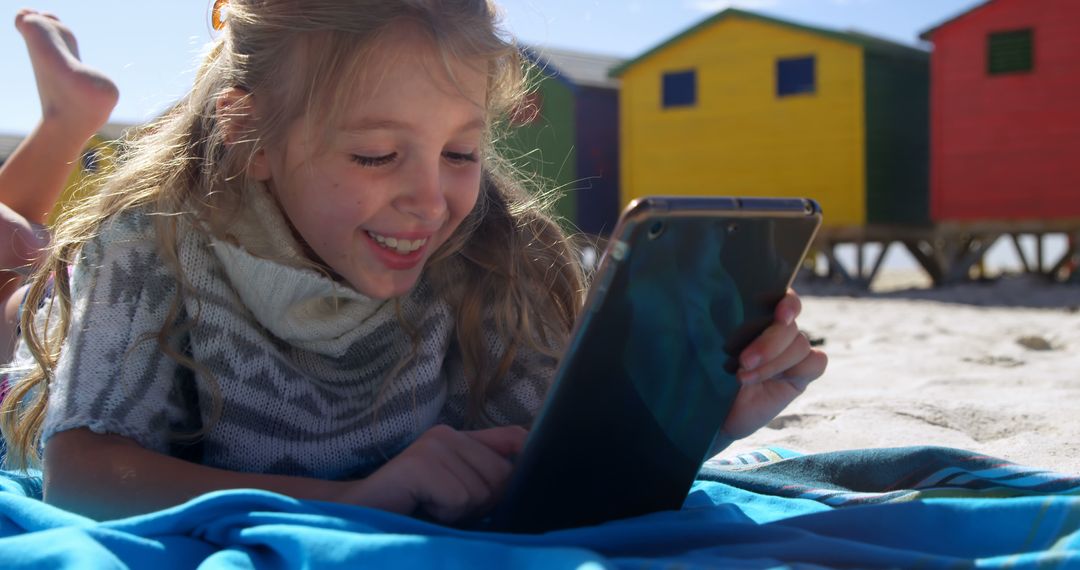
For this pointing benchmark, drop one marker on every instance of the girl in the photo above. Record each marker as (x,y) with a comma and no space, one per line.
(314,276)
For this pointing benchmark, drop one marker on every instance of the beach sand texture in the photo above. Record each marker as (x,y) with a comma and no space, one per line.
(988,367)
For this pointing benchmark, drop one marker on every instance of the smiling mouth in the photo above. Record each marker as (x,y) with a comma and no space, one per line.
(401,246)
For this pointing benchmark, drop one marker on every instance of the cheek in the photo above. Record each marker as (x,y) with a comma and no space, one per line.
(326,199)
(464,191)
(317,208)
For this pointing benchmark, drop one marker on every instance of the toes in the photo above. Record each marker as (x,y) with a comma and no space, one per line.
(42,27)
(65,34)
(21,15)
(69,40)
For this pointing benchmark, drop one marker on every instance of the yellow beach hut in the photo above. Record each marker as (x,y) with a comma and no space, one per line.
(750,105)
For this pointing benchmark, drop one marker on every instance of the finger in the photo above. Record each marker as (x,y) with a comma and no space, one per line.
(482,469)
(789,308)
(453,487)
(448,500)
(797,349)
(507,441)
(811,368)
(768,345)
(492,467)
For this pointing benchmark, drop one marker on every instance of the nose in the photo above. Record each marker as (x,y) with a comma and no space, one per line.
(423,197)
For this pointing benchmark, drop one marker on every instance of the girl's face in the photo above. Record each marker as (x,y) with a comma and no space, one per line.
(398,176)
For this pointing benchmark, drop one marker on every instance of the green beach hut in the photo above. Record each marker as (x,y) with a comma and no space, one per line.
(567,134)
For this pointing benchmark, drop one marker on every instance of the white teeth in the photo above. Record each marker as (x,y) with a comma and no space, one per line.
(402,246)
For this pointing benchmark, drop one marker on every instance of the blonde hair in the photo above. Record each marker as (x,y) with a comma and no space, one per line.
(508,260)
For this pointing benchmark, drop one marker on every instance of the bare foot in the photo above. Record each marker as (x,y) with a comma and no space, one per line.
(73,94)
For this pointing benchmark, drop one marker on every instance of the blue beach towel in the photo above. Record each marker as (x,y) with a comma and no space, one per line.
(919,507)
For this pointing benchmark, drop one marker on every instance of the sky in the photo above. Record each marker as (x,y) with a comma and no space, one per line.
(150,48)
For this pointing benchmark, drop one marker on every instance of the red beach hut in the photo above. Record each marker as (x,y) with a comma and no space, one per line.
(1005,113)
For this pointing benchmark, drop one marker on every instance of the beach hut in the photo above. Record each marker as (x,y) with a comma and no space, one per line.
(1005,123)
(567,134)
(745,104)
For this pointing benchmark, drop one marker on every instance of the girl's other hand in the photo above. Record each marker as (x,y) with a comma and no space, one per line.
(776,367)
(446,474)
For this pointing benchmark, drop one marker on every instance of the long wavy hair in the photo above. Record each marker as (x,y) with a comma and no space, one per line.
(508,261)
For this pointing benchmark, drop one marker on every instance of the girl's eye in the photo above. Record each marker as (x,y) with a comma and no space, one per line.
(460,157)
(374,161)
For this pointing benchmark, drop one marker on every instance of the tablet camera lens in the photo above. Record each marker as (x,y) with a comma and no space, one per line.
(656,229)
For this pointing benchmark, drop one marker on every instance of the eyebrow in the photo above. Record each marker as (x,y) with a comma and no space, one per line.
(392,125)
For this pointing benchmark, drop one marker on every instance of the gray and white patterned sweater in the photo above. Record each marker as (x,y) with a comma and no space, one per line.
(300,361)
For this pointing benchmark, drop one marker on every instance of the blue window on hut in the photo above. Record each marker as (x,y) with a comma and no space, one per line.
(680,89)
(91,160)
(795,76)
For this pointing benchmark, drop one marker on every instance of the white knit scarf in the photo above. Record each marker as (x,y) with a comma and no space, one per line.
(297,304)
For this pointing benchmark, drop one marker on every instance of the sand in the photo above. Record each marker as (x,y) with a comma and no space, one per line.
(988,367)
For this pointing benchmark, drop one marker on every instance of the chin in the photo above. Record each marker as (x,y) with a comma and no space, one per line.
(386,290)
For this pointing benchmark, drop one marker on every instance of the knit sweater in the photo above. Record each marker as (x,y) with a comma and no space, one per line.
(308,373)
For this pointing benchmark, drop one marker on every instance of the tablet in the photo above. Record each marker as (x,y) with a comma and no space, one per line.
(649,375)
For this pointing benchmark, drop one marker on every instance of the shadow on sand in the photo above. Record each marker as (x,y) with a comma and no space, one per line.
(1021,291)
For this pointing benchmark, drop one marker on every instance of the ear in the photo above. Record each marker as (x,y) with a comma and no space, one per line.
(235,111)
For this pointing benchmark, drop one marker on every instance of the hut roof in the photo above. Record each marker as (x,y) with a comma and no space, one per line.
(930,32)
(586,69)
(114,131)
(863,40)
(9,142)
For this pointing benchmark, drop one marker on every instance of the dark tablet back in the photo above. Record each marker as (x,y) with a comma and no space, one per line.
(649,376)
